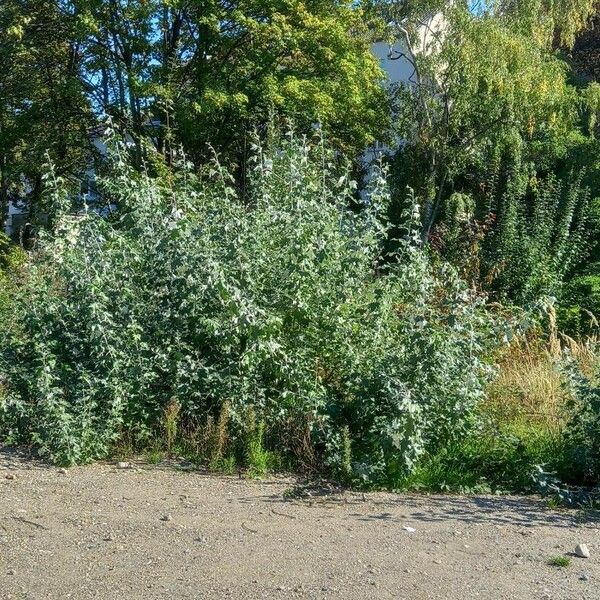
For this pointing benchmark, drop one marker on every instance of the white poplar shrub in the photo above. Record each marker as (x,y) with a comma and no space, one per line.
(280,301)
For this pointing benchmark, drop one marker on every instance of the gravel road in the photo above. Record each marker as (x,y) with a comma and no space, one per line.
(159,531)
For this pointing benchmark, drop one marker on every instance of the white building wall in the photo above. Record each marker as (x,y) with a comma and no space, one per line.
(396,60)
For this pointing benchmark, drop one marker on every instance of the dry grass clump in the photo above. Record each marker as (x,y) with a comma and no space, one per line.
(530,385)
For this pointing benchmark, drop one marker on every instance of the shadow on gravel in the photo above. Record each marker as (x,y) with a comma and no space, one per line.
(12,459)
(522,511)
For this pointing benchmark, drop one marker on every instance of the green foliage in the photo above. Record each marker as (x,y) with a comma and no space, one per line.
(154,455)
(559,561)
(5,247)
(209,72)
(217,437)
(481,88)
(346,457)
(171,420)
(500,457)
(543,445)
(580,303)
(590,106)
(12,268)
(260,312)
(582,432)
(494,128)
(43,108)
(171,74)
(276,304)
(256,457)
(579,309)
(305,61)
(548,22)
(539,238)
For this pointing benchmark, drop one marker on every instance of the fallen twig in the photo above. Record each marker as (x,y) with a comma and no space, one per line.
(28,522)
(275,512)
(244,526)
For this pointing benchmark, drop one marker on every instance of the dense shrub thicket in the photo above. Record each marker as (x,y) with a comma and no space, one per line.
(583,427)
(541,236)
(540,426)
(246,314)
(189,299)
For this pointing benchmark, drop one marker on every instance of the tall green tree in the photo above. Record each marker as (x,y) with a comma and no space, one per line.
(178,73)
(305,60)
(43,107)
(493,126)
(193,73)
(482,84)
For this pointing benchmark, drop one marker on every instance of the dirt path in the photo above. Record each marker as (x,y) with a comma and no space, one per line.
(157,532)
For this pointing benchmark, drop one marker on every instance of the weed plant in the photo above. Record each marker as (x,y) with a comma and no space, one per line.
(254,324)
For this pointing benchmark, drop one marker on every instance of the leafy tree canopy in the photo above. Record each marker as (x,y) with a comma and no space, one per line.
(42,105)
(483,86)
(177,73)
(209,71)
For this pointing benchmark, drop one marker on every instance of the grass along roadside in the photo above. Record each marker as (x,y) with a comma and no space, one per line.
(523,425)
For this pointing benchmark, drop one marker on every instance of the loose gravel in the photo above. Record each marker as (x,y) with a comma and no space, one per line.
(166,532)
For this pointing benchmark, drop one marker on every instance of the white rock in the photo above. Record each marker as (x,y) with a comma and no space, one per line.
(123,465)
(409,529)
(582,551)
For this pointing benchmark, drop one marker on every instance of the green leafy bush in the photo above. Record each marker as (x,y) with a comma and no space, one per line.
(539,239)
(12,270)
(12,261)
(582,432)
(580,303)
(499,457)
(275,305)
